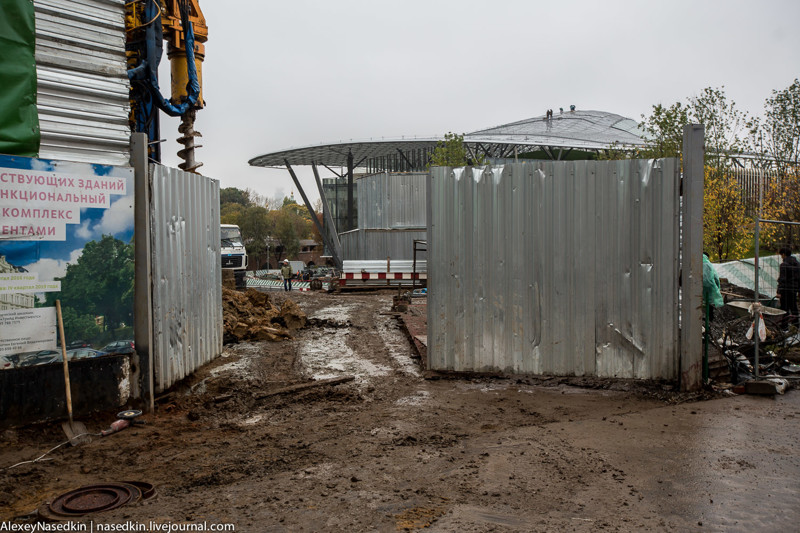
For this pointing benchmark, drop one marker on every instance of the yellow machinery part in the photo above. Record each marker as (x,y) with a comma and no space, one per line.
(176,46)
(180,76)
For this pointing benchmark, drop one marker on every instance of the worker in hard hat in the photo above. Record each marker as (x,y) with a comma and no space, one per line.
(286,274)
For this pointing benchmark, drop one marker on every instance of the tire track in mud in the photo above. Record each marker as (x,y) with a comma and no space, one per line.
(332,351)
(327,354)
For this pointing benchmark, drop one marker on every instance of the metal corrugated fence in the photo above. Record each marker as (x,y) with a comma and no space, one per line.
(82,81)
(392,201)
(565,268)
(187,273)
(377,244)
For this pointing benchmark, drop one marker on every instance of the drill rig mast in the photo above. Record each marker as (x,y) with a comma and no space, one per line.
(182,24)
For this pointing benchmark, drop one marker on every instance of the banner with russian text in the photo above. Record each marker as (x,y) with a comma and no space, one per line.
(66,233)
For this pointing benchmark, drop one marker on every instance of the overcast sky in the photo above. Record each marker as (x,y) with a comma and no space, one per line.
(287,74)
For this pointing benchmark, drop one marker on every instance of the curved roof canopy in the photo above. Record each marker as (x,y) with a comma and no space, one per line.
(579,130)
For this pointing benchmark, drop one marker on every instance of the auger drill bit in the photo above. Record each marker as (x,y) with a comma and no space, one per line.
(187,140)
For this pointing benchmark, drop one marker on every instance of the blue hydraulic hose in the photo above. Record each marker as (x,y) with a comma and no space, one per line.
(148,68)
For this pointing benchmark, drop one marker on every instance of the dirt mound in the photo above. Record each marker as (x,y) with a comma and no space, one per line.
(251,315)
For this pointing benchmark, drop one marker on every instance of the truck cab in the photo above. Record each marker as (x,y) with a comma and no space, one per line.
(232,251)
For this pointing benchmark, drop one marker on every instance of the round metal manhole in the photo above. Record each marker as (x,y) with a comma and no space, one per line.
(94,499)
(148,489)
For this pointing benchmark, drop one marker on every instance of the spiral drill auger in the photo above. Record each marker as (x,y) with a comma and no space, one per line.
(187,140)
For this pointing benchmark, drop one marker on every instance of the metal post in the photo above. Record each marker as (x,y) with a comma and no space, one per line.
(335,245)
(305,200)
(350,223)
(142,358)
(414,268)
(757,295)
(692,258)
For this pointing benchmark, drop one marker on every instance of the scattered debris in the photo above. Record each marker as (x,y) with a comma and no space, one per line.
(124,419)
(251,315)
(731,356)
(765,387)
(291,315)
(401,301)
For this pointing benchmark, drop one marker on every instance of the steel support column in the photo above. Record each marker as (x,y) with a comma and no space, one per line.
(305,199)
(691,365)
(142,372)
(334,245)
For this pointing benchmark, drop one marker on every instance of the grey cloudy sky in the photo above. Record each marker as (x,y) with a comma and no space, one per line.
(293,73)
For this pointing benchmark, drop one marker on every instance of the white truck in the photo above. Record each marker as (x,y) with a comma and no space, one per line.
(234,256)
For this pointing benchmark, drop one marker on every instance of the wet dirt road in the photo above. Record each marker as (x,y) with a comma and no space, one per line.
(393,451)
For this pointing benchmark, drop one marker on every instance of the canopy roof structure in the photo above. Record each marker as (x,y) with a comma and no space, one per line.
(550,136)
(555,136)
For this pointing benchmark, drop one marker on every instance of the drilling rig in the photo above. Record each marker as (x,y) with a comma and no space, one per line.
(182,25)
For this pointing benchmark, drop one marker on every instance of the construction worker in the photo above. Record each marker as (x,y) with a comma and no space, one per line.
(286,274)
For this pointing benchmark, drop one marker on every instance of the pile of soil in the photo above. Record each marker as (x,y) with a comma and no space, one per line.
(251,315)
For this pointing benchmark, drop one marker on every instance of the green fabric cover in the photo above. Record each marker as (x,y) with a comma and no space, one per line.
(711,285)
(19,118)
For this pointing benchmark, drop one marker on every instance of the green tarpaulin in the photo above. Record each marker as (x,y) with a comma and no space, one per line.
(19,118)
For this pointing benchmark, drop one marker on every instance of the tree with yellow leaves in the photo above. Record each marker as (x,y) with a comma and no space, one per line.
(781,202)
(725,234)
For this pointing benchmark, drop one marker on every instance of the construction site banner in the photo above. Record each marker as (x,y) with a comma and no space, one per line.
(19,119)
(66,233)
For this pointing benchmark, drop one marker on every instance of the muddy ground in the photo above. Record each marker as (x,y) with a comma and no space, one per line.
(393,450)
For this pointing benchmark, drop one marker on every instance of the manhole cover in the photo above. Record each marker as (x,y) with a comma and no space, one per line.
(148,489)
(94,499)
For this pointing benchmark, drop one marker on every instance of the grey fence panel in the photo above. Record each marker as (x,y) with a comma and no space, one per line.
(392,201)
(83,87)
(376,244)
(187,273)
(566,268)
(637,269)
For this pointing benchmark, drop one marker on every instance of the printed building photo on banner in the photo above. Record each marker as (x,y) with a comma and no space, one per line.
(66,234)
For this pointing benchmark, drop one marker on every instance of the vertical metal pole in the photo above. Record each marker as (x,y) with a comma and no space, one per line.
(310,208)
(350,224)
(692,258)
(336,246)
(142,359)
(414,269)
(706,335)
(337,212)
(757,295)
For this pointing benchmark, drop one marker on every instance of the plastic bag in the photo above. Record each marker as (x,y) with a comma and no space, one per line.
(762,329)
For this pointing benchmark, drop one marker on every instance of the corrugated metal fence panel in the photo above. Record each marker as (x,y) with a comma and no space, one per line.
(83,86)
(376,244)
(566,268)
(392,201)
(187,273)
(407,200)
(372,200)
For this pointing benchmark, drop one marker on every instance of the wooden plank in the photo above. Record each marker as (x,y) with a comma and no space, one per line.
(305,386)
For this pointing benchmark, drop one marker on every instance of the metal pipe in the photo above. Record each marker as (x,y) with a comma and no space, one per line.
(757,296)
